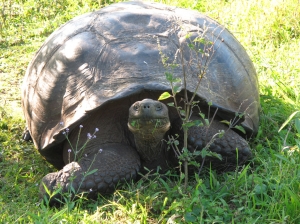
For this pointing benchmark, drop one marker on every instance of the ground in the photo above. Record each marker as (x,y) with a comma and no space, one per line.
(265,192)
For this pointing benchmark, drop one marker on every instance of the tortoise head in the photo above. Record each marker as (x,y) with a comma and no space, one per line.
(148,116)
(148,121)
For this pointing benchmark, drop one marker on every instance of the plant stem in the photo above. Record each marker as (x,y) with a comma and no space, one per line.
(186,173)
(185,144)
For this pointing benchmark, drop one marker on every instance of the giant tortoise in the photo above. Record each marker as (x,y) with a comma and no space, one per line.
(94,85)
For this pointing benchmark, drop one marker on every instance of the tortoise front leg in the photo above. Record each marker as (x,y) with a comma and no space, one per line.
(96,172)
(231,146)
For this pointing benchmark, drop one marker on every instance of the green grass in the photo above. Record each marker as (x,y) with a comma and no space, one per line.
(267,192)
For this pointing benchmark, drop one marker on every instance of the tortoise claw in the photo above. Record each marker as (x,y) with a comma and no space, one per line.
(26,135)
(92,175)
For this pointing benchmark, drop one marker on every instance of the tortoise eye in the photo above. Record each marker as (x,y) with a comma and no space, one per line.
(136,107)
(158,107)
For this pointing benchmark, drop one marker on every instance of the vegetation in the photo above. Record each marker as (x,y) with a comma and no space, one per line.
(268,191)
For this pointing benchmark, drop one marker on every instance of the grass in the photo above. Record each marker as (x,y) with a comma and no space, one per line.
(266,192)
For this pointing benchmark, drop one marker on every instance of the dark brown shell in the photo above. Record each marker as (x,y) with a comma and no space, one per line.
(113,53)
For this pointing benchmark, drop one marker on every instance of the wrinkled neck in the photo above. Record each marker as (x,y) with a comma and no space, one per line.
(149,146)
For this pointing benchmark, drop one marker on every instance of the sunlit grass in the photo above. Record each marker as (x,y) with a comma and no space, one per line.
(266,192)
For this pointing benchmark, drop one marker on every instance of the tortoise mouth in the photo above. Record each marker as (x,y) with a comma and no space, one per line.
(150,125)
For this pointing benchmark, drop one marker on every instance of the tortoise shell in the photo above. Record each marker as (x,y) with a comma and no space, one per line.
(114,53)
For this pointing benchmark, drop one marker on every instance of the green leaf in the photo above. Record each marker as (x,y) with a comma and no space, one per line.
(200,51)
(164,96)
(297,125)
(206,122)
(197,210)
(177,80)
(182,176)
(288,120)
(221,133)
(214,154)
(282,158)
(190,217)
(191,46)
(72,189)
(243,174)
(132,123)
(171,104)
(58,215)
(91,172)
(169,76)
(225,122)
(260,189)
(191,124)
(194,163)
(182,112)
(165,185)
(46,189)
(57,191)
(240,128)
(197,122)
(196,153)
(205,152)
(202,115)
(188,35)
(174,65)
(239,114)
(176,89)
(199,39)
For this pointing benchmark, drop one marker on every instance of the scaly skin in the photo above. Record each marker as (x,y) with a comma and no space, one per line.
(115,164)
(231,146)
(118,162)
(148,121)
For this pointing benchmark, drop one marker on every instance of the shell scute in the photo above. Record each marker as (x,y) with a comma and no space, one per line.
(113,53)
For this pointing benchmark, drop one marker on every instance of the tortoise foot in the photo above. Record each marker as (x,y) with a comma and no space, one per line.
(94,174)
(26,135)
(62,184)
(232,147)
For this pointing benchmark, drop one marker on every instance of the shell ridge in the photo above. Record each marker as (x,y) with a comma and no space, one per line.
(122,59)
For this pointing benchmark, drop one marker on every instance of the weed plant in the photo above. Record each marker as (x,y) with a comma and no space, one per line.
(267,191)
(75,154)
(201,51)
